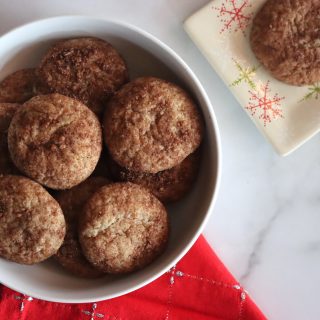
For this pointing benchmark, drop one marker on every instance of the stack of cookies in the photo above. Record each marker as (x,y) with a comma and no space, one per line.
(95,209)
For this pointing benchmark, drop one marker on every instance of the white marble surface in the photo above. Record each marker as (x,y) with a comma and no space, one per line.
(266,224)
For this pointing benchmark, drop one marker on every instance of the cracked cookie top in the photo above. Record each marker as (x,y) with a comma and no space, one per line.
(285,37)
(151,125)
(32,226)
(55,140)
(87,69)
(123,228)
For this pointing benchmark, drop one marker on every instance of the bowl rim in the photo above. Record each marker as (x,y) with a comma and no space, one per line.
(192,76)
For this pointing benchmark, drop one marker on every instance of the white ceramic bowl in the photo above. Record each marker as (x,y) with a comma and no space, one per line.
(145,55)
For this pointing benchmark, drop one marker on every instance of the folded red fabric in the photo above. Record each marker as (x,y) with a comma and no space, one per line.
(199,287)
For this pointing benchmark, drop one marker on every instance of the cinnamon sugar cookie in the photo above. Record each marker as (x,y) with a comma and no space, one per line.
(285,37)
(151,125)
(32,226)
(19,86)
(55,140)
(7,110)
(87,69)
(123,228)
(168,185)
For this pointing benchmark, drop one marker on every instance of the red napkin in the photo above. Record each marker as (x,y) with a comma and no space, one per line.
(199,287)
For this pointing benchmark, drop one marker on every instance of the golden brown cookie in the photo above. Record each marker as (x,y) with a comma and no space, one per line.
(123,228)
(285,37)
(32,226)
(168,185)
(55,140)
(87,69)
(18,87)
(70,255)
(7,110)
(151,125)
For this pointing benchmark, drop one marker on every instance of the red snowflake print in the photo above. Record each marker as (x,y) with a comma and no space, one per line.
(268,108)
(231,14)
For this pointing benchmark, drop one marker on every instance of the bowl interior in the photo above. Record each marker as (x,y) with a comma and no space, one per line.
(145,55)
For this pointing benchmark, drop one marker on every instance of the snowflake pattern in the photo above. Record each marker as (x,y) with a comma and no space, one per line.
(246,75)
(23,298)
(268,108)
(175,274)
(231,14)
(93,314)
(313,92)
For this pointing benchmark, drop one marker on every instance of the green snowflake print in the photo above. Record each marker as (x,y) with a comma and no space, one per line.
(313,92)
(246,75)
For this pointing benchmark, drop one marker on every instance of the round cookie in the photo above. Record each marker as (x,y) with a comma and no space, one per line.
(7,110)
(168,185)
(87,69)
(151,125)
(19,86)
(32,226)
(285,37)
(70,255)
(123,228)
(55,140)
